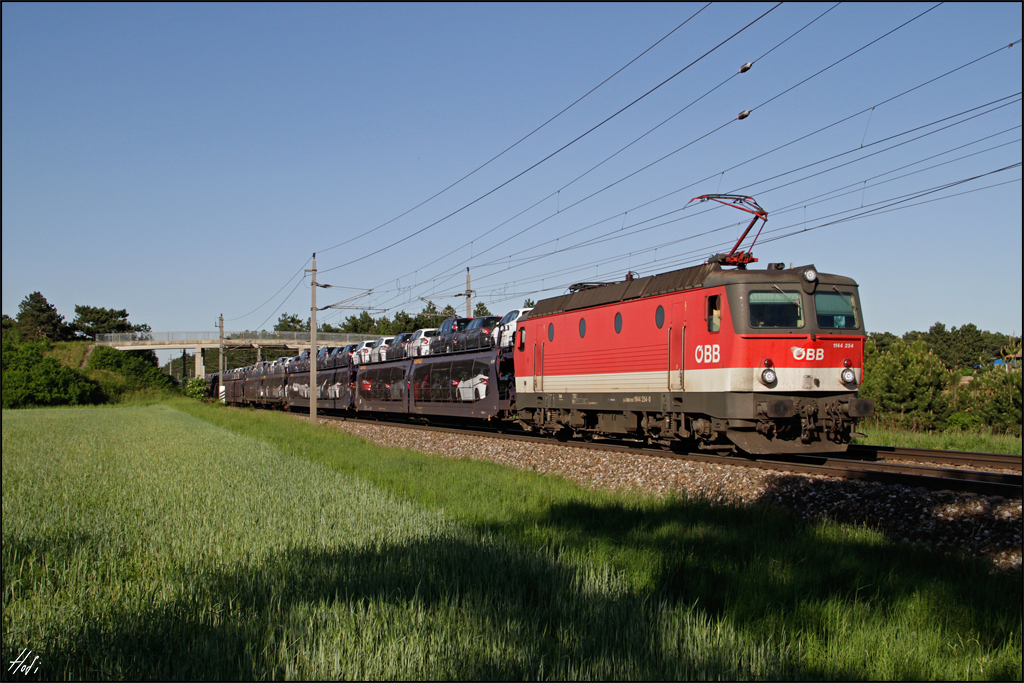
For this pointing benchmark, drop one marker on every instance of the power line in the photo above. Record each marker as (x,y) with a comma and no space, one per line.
(560,149)
(837,62)
(281,304)
(299,271)
(884,101)
(524,138)
(690,237)
(715,130)
(746,188)
(882,206)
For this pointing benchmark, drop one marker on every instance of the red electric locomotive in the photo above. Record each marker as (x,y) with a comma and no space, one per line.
(768,361)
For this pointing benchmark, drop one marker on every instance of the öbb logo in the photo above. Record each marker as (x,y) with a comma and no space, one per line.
(707,353)
(800,353)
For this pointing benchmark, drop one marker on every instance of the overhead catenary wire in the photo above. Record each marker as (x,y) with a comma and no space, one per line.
(298,272)
(699,254)
(557,151)
(427,281)
(500,264)
(281,305)
(840,61)
(831,157)
(645,134)
(520,140)
(460,264)
(489,161)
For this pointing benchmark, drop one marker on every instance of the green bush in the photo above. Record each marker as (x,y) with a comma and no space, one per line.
(964,422)
(196,388)
(30,378)
(994,398)
(908,383)
(130,372)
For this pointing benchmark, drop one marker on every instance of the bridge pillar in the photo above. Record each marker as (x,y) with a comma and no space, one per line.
(200,367)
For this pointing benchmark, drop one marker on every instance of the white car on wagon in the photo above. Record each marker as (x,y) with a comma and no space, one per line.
(362,353)
(504,333)
(380,348)
(419,343)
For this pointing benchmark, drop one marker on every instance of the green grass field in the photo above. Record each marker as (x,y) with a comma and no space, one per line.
(189,541)
(878,434)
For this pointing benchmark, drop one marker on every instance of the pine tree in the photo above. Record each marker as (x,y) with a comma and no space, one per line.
(289,322)
(37,319)
(90,321)
(908,382)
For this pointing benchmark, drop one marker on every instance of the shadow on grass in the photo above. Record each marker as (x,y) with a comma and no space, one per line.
(505,613)
(511,610)
(753,562)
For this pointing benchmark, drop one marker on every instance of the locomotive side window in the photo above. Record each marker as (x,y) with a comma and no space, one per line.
(618,323)
(835,310)
(714,313)
(551,332)
(583,328)
(776,309)
(659,317)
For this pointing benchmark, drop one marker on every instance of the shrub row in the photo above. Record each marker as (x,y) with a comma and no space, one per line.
(913,389)
(33,377)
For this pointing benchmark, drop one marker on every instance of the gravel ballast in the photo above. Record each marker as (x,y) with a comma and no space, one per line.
(987,526)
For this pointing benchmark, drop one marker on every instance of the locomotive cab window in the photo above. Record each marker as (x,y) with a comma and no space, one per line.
(522,338)
(836,310)
(779,308)
(714,313)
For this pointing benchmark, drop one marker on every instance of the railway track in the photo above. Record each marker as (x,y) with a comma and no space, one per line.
(924,455)
(878,464)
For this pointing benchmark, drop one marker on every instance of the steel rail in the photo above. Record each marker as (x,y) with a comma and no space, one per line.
(905,474)
(968,458)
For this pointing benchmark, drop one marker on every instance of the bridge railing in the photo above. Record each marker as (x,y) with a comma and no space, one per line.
(248,335)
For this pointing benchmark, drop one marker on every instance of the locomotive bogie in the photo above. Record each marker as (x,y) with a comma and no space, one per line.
(756,423)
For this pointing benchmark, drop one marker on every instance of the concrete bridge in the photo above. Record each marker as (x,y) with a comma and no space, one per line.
(169,341)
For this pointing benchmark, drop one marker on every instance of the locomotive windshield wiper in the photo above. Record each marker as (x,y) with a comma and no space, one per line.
(792,301)
(848,300)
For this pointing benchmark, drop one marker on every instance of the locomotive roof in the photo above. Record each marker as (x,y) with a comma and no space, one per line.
(705,275)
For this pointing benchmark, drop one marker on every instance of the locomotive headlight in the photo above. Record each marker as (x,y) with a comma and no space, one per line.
(810,275)
(848,376)
(768,377)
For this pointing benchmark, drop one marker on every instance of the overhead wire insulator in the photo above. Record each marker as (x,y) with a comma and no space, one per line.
(746,67)
(743,114)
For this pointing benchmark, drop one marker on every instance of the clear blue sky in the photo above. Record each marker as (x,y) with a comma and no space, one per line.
(185,160)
